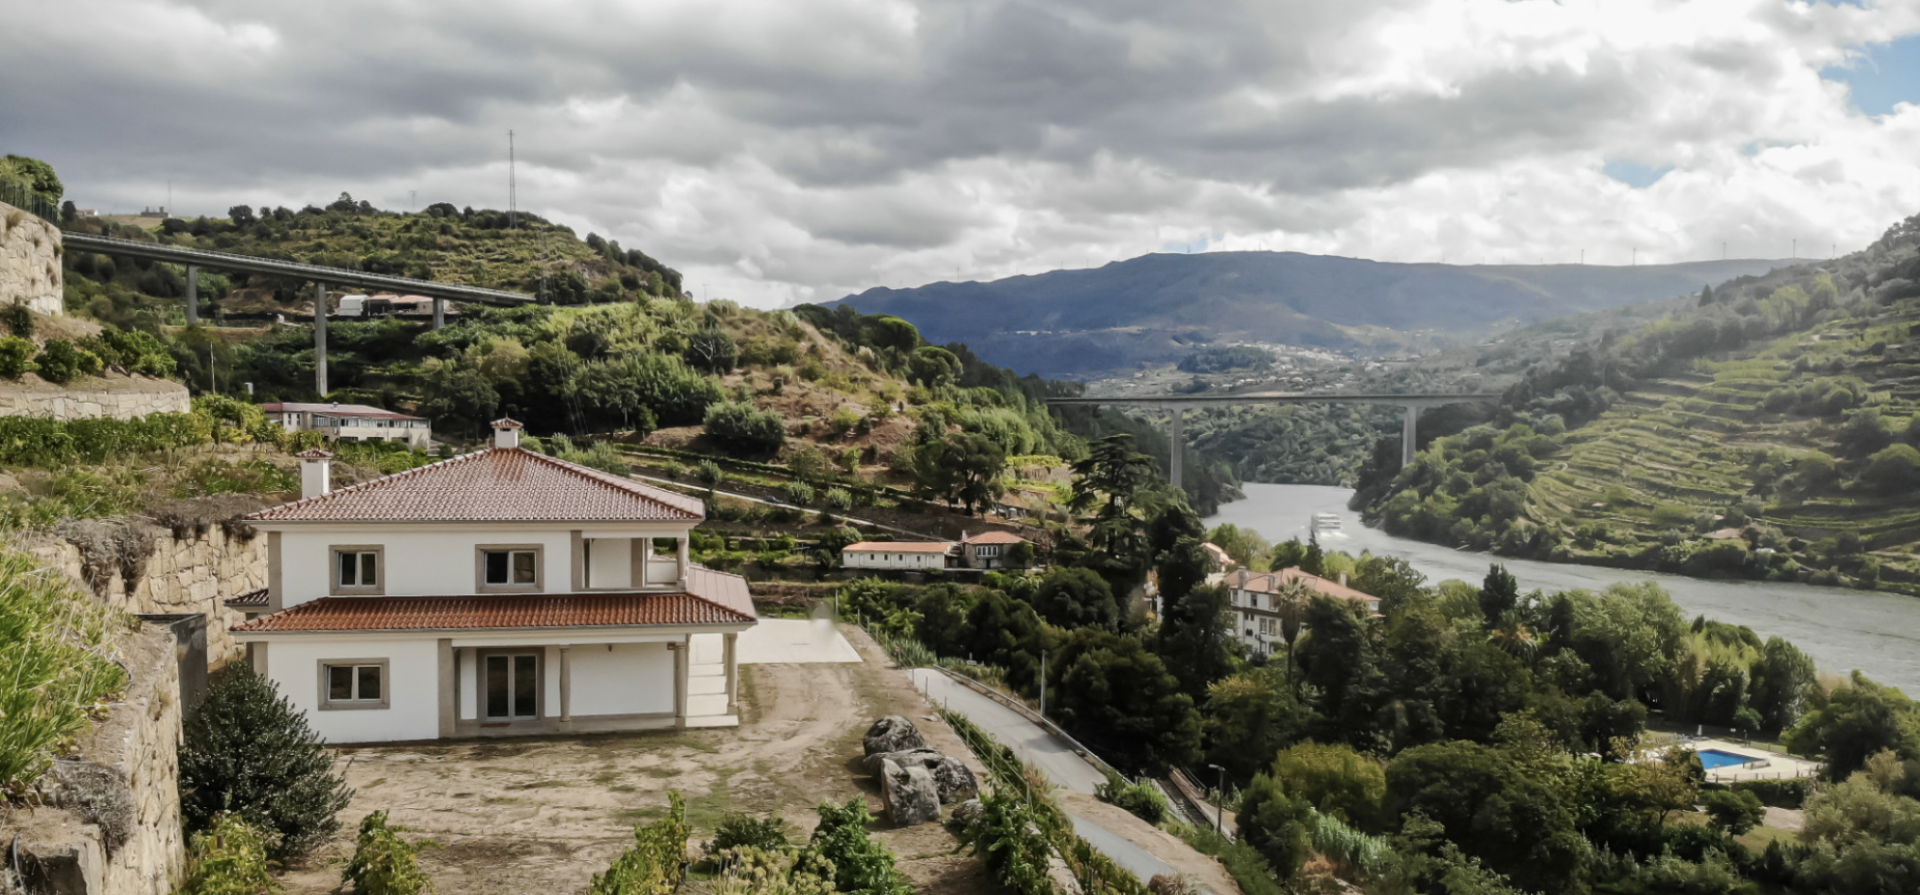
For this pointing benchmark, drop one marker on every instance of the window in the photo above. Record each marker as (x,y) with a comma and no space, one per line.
(353,684)
(508,567)
(357,569)
(987,551)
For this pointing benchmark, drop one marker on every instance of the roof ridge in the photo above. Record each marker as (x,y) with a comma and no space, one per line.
(630,485)
(352,488)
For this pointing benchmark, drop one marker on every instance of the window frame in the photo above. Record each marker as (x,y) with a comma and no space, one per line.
(480,585)
(329,704)
(379,585)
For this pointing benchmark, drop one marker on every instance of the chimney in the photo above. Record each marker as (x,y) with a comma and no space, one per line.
(1343,579)
(316,473)
(506,432)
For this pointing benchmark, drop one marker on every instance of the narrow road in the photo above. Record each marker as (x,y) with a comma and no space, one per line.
(864,523)
(1038,747)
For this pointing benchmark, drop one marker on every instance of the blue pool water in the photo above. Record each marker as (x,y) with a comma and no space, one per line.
(1714,758)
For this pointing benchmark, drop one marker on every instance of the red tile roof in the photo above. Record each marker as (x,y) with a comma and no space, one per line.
(995,537)
(494,485)
(1269,582)
(493,611)
(352,410)
(898,547)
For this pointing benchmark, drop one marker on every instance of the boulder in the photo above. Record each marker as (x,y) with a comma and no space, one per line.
(955,781)
(892,734)
(968,813)
(910,794)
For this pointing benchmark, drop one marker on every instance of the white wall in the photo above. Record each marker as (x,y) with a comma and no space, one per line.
(611,562)
(413,687)
(418,563)
(630,679)
(882,560)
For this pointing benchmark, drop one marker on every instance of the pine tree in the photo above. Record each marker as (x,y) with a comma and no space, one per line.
(250,752)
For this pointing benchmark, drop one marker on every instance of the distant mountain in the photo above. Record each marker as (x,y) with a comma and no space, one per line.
(1155,308)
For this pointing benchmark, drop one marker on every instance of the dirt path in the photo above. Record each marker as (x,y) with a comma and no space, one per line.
(543,814)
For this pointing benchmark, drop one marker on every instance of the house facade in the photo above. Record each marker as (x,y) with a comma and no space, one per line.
(351,422)
(498,593)
(988,549)
(1257,616)
(906,556)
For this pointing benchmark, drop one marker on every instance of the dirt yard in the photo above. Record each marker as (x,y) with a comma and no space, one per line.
(544,814)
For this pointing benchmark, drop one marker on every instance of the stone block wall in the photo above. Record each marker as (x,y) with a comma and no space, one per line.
(30,271)
(114,395)
(197,573)
(107,822)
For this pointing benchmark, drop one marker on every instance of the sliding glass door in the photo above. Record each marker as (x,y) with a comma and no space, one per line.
(512,686)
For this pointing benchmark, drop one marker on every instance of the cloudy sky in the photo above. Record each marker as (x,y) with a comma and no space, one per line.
(783,150)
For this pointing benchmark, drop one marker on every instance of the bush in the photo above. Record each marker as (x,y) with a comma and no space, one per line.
(656,863)
(1141,798)
(1735,812)
(839,499)
(60,362)
(228,858)
(16,357)
(861,866)
(247,750)
(737,830)
(709,473)
(1777,793)
(18,319)
(383,863)
(741,428)
(54,642)
(1893,468)
(797,493)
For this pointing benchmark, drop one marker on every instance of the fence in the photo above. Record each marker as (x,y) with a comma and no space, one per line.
(21,196)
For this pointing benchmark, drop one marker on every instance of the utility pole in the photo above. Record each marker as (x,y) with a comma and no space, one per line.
(1043,683)
(1220,802)
(513,198)
(1796,248)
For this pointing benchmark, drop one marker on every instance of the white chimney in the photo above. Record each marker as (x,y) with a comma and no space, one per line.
(1343,579)
(506,433)
(316,473)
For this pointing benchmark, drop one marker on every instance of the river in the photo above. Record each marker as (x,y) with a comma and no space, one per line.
(1841,629)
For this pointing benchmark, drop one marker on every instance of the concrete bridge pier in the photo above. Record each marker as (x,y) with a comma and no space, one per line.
(1407,435)
(439,313)
(193,294)
(320,338)
(1179,441)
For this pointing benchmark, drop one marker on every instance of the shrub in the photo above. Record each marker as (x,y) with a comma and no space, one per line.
(737,830)
(1142,798)
(843,421)
(1735,812)
(1893,468)
(797,493)
(247,750)
(383,863)
(709,473)
(601,456)
(861,866)
(61,362)
(16,357)
(18,319)
(656,863)
(54,641)
(228,858)
(839,499)
(741,428)
(1777,793)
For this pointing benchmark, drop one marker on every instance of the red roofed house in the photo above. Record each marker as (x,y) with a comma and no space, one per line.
(498,593)
(907,555)
(351,422)
(988,549)
(1256,616)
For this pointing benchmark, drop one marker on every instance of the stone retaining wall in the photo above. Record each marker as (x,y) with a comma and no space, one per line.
(196,573)
(108,822)
(30,262)
(114,395)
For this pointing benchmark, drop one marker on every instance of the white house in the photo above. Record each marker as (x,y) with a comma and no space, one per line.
(1257,617)
(351,422)
(910,556)
(988,549)
(498,593)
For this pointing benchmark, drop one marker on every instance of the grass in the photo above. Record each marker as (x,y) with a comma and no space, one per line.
(54,643)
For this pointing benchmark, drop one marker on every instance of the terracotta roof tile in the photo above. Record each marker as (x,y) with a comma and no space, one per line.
(995,537)
(353,410)
(898,547)
(496,611)
(494,485)
(1269,582)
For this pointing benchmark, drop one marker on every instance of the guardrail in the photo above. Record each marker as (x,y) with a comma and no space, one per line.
(21,196)
(1079,748)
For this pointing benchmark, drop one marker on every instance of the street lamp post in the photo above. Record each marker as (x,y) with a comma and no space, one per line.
(1220,801)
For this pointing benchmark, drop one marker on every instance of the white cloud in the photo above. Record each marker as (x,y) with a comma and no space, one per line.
(780,150)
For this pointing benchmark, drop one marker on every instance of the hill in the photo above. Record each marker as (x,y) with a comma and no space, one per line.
(1081,324)
(1766,429)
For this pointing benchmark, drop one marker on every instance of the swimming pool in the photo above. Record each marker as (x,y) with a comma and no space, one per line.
(1711,759)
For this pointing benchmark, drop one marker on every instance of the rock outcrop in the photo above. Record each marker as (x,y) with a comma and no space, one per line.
(911,795)
(30,262)
(951,776)
(90,397)
(892,734)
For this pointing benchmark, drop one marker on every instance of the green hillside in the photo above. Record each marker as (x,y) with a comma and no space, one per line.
(1768,430)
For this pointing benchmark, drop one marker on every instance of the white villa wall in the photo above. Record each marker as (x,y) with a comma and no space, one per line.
(632,678)
(611,563)
(413,686)
(861,559)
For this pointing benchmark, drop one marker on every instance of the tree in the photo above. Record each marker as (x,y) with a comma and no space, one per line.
(1243,544)
(964,469)
(1109,481)
(36,174)
(457,398)
(1894,469)
(1858,720)
(1276,825)
(241,216)
(739,427)
(1782,679)
(1335,780)
(1194,639)
(711,349)
(247,750)
(1248,717)
(1499,595)
(1338,658)
(1493,808)
(1735,812)
(931,365)
(1073,597)
(1110,691)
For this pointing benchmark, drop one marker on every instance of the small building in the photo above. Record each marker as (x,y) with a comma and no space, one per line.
(499,593)
(351,422)
(910,556)
(1257,617)
(987,550)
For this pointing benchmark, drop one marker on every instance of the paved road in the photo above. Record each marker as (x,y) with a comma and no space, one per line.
(1013,730)
(1136,859)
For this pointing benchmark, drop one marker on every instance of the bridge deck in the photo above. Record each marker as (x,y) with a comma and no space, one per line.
(1191,401)
(333,276)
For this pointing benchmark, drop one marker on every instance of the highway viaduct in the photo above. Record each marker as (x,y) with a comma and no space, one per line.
(321,277)
(1178,405)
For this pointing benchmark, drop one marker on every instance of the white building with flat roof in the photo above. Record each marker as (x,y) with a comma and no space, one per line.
(910,556)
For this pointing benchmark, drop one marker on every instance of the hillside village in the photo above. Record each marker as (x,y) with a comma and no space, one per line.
(623,592)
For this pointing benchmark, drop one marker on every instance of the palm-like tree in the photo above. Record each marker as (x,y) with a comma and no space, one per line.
(1290,601)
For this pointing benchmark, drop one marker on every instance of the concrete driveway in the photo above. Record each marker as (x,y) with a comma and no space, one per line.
(781,641)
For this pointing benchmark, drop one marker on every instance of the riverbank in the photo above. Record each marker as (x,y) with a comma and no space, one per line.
(1873,631)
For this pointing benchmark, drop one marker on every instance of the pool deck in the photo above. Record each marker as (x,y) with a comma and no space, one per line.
(1766,765)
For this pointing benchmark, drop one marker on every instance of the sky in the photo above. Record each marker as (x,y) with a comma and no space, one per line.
(778,151)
